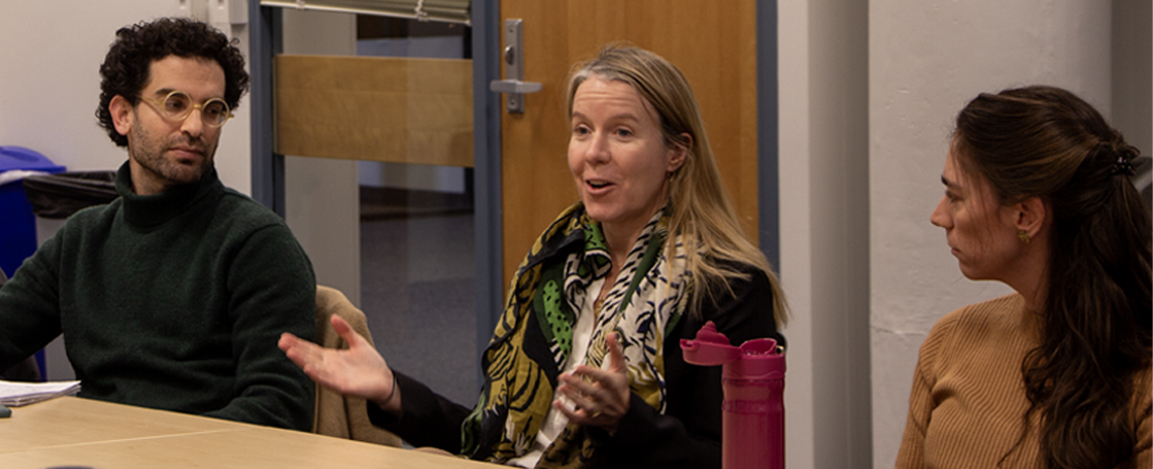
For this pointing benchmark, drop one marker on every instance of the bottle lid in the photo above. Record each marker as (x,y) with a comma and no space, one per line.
(709,347)
(757,358)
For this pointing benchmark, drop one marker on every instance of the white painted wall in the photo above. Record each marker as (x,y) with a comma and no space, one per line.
(796,231)
(927,59)
(823,66)
(1133,72)
(50,55)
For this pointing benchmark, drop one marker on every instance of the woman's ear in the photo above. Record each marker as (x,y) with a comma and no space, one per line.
(679,151)
(1031,215)
(122,114)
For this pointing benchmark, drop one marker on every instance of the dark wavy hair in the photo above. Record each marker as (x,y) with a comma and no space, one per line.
(126,67)
(1046,142)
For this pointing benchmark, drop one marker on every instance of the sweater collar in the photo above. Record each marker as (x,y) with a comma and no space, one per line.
(151,210)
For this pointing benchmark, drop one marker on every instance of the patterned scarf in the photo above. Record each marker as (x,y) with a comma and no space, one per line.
(533,338)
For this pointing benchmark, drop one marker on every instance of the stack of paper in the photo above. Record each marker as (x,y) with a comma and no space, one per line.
(15,394)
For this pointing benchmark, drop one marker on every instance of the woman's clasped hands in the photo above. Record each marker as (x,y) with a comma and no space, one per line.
(599,397)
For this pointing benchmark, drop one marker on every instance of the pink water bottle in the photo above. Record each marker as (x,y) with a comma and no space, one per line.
(753,379)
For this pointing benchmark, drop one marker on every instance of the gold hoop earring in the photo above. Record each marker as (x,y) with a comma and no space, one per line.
(1023,236)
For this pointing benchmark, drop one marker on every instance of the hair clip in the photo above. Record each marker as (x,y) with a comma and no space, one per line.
(1122,166)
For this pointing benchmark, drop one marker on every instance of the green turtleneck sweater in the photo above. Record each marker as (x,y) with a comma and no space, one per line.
(173,301)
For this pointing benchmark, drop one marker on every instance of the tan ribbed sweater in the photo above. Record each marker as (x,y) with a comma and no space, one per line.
(968,398)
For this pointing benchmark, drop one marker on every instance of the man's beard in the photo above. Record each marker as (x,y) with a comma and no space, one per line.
(150,153)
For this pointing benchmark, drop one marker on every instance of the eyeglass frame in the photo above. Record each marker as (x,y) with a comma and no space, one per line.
(158,106)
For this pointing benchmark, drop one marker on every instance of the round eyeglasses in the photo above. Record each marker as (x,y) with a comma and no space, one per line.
(177,106)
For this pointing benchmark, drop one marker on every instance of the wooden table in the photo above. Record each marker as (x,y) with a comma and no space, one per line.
(70,431)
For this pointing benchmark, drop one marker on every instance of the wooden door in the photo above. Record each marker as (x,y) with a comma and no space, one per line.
(712,42)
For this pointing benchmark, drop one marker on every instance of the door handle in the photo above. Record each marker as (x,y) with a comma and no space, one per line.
(513,86)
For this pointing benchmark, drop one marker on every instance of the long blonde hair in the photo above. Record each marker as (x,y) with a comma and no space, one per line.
(702,215)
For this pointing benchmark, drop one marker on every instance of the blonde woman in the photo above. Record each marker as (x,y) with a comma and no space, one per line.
(585,369)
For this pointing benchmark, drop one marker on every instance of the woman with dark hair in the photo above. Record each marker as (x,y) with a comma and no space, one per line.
(1056,375)
(585,367)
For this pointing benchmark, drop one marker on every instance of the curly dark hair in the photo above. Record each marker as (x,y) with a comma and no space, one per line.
(126,67)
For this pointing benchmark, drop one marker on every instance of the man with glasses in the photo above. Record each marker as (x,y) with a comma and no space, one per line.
(172,296)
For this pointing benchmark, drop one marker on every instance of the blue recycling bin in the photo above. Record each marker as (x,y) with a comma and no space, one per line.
(17,221)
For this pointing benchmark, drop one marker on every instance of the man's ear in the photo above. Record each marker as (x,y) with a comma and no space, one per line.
(122,114)
(680,151)
(1031,215)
